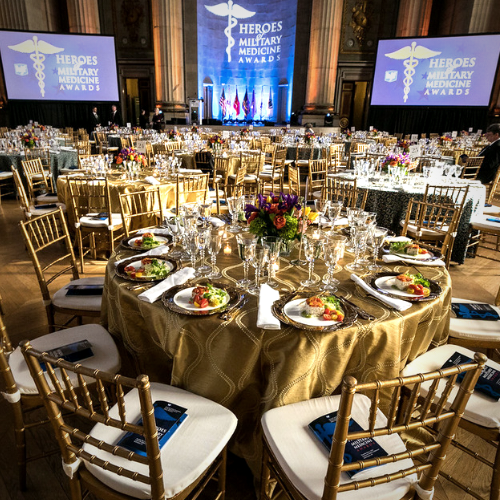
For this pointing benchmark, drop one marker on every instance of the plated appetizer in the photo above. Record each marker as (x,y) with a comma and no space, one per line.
(327,307)
(149,268)
(209,296)
(147,241)
(414,284)
(407,248)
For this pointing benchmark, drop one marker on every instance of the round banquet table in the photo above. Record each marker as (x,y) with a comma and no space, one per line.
(251,370)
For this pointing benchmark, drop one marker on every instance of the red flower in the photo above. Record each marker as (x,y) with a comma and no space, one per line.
(274,208)
(279,222)
(253,215)
(119,160)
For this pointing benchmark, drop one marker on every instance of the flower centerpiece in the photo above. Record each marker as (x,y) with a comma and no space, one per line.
(195,129)
(401,160)
(130,159)
(374,132)
(445,139)
(404,145)
(348,134)
(173,135)
(244,132)
(308,137)
(29,139)
(280,216)
(216,141)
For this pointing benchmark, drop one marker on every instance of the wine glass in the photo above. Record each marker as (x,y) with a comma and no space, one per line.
(203,240)
(378,235)
(273,243)
(246,250)
(214,247)
(312,250)
(177,231)
(321,205)
(260,260)
(246,199)
(192,245)
(333,251)
(233,205)
(333,210)
(359,243)
(205,209)
(352,214)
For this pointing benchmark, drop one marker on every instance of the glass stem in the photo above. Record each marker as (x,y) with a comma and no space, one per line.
(193,261)
(331,268)
(202,254)
(375,254)
(311,267)
(245,270)
(257,276)
(213,258)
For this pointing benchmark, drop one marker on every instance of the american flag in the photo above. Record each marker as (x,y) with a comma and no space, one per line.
(222,103)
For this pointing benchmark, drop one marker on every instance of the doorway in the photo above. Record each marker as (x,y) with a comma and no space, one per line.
(137,97)
(354,102)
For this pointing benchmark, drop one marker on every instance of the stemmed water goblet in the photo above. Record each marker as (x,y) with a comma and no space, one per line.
(192,246)
(352,214)
(260,260)
(246,250)
(233,205)
(214,247)
(333,251)
(359,243)
(333,210)
(203,241)
(205,213)
(312,250)
(273,243)
(321,206)
(246,199)
(377,236)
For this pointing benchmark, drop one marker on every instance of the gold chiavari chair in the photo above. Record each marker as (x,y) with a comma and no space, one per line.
(7,182)
(471,167)
(125,142)
(253,163)
(91,209)
(494,195)
(447,195)
(272,180)
(109,470)
(20,391)
(433,224)
(204,161)
(347,192)
(173,146)
(39,153)
(191,188)
(83,147)
(317,172)
(220,177)
(159,148)
(49,246)
(142,209)
(40,189)
(294,185)
(297,462)
(236,185)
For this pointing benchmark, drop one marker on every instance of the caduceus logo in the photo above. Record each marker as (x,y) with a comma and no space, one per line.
(411,54)
(37,48)
(233,13)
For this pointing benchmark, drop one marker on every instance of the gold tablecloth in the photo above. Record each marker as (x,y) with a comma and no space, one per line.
(250,370)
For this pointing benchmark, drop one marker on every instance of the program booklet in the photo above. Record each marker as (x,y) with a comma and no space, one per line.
(483,312)
(355,450)
(488,382)
(84,290)
(71,352)
(168,417)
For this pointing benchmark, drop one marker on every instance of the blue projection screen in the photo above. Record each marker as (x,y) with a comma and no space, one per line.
(451,71)
(246,51)
(51,67)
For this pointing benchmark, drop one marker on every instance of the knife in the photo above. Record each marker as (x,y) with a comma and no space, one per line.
(230,313)
(361,312)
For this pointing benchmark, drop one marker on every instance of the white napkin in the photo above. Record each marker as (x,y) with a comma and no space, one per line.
(151,180)
(391,259)
(265,316)
(400,305)
(162,250)
(216,222)
(342,221)
(190,171)
(393,239)
(178,278)
(154,230)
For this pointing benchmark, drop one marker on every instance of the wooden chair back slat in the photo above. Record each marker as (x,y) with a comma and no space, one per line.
(191,188)
(471,167)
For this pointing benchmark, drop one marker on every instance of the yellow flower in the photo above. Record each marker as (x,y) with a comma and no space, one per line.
(306,211)
(312,216)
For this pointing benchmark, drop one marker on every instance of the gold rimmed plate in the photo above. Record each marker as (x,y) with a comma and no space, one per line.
(289,310)
(179,298)
(382,282)
(133,242)
(429,256)
(137,263)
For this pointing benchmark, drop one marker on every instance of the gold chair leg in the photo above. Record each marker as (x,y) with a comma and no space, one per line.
(221,480)
(20,435)
(495,482)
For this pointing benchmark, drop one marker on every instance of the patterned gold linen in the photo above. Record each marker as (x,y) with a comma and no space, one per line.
(249,370)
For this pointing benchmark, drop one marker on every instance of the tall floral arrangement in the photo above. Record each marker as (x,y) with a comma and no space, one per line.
(308,137)
(404,145)
(216,140)
(401,160)
(130,159)
(29,139)
(173,135)
(278,216)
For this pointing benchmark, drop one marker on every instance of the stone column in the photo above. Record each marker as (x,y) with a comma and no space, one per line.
(169,57)
(326,21)
(484,17)
(83,16)
(414,17)
(13,15)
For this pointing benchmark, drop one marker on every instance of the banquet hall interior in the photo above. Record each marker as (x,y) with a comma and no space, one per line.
(269,209)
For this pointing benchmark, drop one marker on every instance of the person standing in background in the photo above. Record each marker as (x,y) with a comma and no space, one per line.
(94,120)
(158,119)
(491,154)
(115,118)
(143,119)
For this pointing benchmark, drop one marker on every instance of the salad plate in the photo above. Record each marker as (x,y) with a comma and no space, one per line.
(146,269)
(384,283)
(146,241)
(397,248)
(202,298)
(294,310)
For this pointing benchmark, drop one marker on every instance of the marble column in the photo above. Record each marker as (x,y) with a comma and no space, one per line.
(485,16)
(326,20)
(414,17)
(169,57)
(83,16)
(14,15)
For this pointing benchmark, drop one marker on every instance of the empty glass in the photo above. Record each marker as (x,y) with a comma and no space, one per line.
(214,247)
(333,251)
(234,206)
(203,241)
(191,242)
(312,250)
(333,210)
(273,243)
(259,262)
(321,206)
(377,236)
(246,251)
(205,209)
(359,243)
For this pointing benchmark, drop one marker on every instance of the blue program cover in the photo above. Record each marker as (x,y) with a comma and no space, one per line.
(483,312)
(168,417)
(355,450)
(488,382)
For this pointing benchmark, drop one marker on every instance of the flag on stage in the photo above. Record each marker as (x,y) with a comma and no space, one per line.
(236,103)
(253,106)
(270,103)
(246,104)
(222,103)
(261,103)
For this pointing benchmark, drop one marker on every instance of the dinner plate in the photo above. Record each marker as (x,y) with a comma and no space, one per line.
(135,262)
(287,310)
(434,255)
(128,243)
(382,283)
(177,299)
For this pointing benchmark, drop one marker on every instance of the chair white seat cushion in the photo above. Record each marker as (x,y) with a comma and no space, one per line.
(493,210)
(269,175)
(185,456)
(35,212)
(6,175)
(412,228)
(45,198)
(267,167)
(88,221)
(39,177)
(105,354)
(250,178)
(481,223)
(80,302)
(473,329)
(305,460)
(480,409)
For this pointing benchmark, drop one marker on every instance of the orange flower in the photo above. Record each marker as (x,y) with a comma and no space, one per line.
(253,215)
(119,160)
(279,222)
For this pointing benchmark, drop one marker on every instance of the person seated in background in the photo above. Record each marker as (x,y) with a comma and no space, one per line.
(143,119)
(491,154)
(115,118)
(158,119)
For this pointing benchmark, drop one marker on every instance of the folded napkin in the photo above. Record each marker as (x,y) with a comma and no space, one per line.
(151,180)
(265,316)
(154,251)
(391,259)
(153,230)
(400,305)
(178,278)
(190,171)
(216,222)
(393,239)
